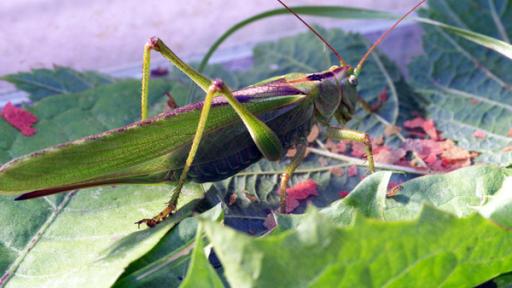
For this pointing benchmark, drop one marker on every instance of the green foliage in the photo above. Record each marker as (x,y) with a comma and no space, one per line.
(406,243)
(438,230)
(436,250)
(40,83)
(201,273)
(469,87)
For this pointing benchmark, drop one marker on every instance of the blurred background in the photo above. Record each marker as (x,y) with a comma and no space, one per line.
(109,35)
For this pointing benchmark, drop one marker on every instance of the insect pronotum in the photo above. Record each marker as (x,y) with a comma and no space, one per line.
(204,141)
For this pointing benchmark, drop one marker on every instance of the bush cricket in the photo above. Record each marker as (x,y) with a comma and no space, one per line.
(201,142)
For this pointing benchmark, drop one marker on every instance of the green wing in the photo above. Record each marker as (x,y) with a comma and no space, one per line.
(143,152)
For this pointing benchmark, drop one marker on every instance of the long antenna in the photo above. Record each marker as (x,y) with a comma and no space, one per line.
(383,36)
(342,61)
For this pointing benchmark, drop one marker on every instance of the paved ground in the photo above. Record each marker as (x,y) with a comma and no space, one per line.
(98,34)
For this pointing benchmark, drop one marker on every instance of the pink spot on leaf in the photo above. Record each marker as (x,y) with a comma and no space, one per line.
(270,221)
(479,134)
(343,194)
(19,119)
(300,191)
(352,171)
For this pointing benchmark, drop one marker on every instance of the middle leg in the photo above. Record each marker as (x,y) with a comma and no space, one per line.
(288,172)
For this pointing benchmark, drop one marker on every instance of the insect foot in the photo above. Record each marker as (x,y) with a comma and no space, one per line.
(152,222)
(153,43)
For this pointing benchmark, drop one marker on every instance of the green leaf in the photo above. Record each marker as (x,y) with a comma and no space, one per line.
(469,86)
(486,41)
(168,261)
(93,232)
(484,189)
(200,273)
(367,198)
(437,249)
(40,83)
(255,188)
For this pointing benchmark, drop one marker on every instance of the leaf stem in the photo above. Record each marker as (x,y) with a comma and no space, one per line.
(360,162)
(298,171)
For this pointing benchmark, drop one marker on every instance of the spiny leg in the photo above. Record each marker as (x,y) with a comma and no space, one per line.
(288,172)
(346,134)
(154,43)
(265,139)
(217,86)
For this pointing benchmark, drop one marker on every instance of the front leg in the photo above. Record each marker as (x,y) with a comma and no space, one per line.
(346,134)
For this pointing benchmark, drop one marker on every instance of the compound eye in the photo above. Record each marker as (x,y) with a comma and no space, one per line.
(352,80)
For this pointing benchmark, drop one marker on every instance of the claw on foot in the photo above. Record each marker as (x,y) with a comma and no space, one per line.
(152,222)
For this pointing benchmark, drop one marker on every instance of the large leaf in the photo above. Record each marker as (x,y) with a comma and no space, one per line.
(40,83)
(436,250)
(469,86)
(483,189)
(88,239)
(252,193)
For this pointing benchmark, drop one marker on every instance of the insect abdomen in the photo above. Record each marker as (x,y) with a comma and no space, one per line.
(289,126)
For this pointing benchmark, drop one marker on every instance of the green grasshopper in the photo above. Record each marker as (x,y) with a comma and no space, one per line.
(235,129)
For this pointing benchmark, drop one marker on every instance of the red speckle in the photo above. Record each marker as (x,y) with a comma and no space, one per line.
(427,125)
(337,171)
(358,150)
(383,96)
(343,194)
(379,140)
(300,191)
(270,221)
(440,155)
(19,119)
(352,171)
(385,154)
(232,199)
(479,134)
(341,147)
(291,204)
(474,101)
(509,134)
